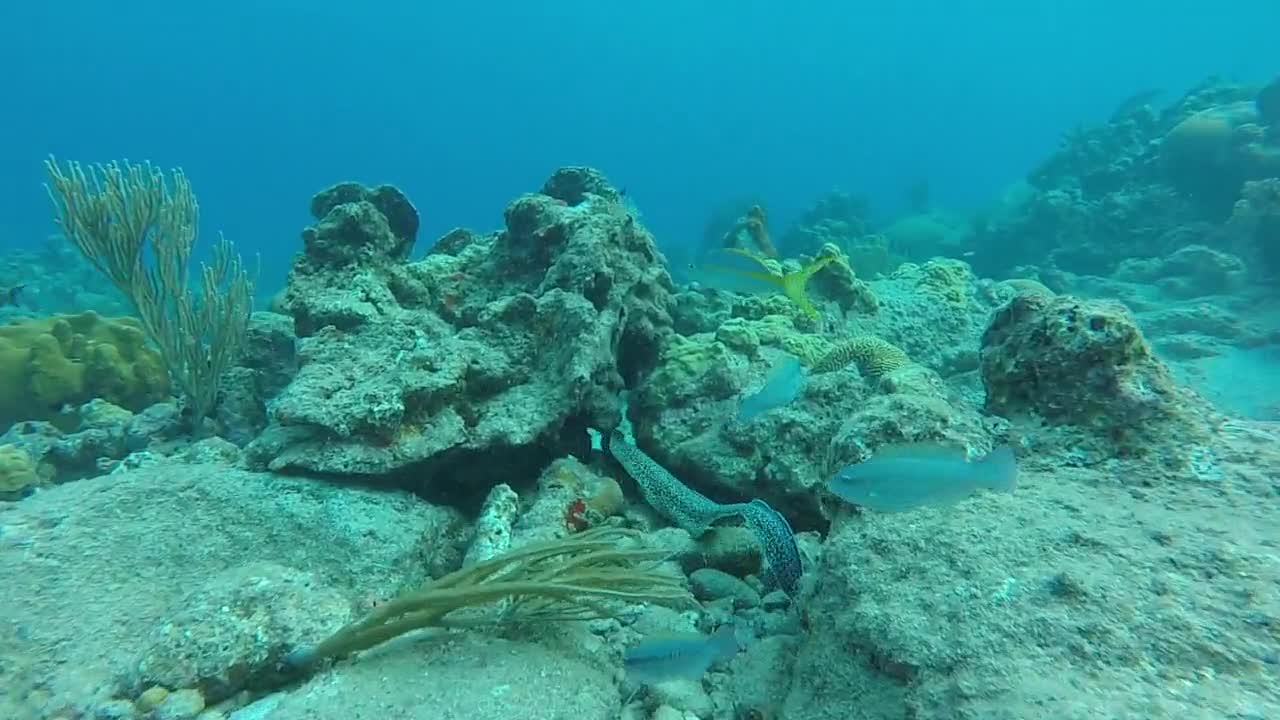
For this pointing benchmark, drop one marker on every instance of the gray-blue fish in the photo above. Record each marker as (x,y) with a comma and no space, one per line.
(781,386)
(689,657)
(903,477)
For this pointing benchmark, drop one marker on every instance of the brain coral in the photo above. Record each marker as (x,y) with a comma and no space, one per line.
(50,362)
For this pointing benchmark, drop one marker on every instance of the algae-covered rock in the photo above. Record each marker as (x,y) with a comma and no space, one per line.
(340,278)
(838,281)
(786,455)
(1192,271)
(475,358)
(1085,364)
(684,411)
(101,440)
(17,472)
(933,312)
(1254,225)
(570,497)
(400,214)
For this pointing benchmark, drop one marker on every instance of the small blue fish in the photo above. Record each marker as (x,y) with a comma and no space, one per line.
(782,386)
(903,477)
(686,657)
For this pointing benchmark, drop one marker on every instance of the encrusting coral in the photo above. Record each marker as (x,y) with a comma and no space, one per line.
(48,363)
(17,472)
(574,578)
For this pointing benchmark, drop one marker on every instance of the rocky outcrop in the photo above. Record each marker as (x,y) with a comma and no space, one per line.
(1085,367)
(475,358)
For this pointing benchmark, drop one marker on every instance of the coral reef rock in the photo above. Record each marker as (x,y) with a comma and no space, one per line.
(1085,365)
(684,416)
(1191,272)
(476,356)
(269,362)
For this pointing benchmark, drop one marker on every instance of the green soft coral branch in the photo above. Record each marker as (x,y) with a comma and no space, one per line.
(574,578)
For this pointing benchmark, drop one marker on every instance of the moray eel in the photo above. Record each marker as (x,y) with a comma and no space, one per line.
(694,512)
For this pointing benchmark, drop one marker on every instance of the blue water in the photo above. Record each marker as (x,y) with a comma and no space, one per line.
(685,104)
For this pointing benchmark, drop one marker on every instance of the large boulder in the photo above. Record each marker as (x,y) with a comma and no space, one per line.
(195,577)
(1075,598)
(1085,368)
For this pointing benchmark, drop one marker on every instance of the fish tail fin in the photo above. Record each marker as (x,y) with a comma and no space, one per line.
(1001,468)
(725,641)
(794,284)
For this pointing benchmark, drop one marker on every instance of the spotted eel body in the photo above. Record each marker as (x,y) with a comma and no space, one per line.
(775,536)
(694,512)
(685,507)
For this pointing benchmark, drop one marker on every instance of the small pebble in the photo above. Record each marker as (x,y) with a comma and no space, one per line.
(731,549)
(776,600)
(712,584)
(180,705)
(151,698)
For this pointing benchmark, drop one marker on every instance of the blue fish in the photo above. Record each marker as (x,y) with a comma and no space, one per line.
(903,477)
(782,386)
(685,657)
